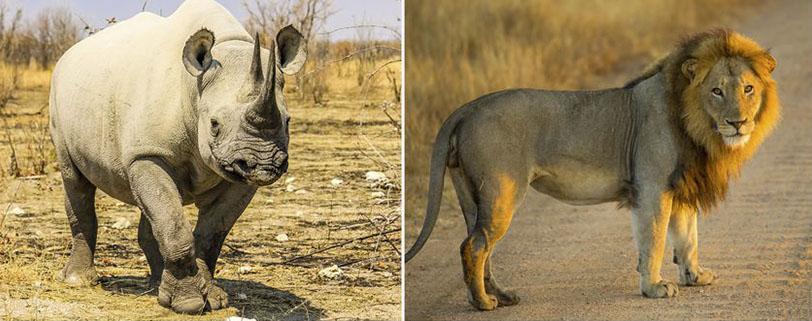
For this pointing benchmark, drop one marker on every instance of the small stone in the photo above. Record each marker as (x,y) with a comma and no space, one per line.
(121,223)
(377,194)
(245,269)
(242,296)
(282,237)
(301,191)
(374,176)
(16,210)
(336,182)
(333,272)
(290,188)
(290,180)
(236,318)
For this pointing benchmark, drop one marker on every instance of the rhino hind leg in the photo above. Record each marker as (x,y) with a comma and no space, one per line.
(151,250)
(81,212)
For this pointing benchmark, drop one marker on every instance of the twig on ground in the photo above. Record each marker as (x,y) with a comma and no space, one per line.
(339,245)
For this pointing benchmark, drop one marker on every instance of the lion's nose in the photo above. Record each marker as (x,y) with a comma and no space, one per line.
(736,123)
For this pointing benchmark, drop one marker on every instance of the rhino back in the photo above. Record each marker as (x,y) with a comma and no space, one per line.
(123,93)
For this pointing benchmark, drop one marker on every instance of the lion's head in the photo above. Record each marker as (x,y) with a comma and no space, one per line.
(729,100)
(723,97)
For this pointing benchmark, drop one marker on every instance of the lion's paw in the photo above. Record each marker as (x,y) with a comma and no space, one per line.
(507,298)
(703,277)
(662,289)
(488,304)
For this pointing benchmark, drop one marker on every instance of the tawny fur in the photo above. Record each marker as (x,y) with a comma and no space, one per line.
(707,165)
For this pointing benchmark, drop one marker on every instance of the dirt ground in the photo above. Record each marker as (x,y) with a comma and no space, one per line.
(571,262)
(355,222)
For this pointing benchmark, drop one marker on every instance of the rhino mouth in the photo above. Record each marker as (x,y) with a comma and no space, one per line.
(261,175)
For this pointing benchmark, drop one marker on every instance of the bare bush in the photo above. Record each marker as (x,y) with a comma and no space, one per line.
(308,16)
(55,30)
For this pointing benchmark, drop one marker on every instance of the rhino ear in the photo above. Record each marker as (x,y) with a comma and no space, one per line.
(197,52)
(292,53)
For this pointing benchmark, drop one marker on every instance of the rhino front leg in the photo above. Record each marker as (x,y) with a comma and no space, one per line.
(219,210)
(148,243)
(80,208)
(184,285)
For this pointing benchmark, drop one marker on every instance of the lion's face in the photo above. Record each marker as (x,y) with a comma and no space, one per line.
(730,92)
(731,95)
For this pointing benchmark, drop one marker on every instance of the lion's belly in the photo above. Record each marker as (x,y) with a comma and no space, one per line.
(579,184)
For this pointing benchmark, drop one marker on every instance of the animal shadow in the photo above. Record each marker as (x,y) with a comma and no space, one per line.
(259,302)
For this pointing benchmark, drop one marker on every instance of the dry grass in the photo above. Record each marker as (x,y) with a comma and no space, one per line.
(458,51)
(346,136)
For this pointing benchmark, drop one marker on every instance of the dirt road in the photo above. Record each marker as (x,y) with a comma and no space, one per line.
(578,262)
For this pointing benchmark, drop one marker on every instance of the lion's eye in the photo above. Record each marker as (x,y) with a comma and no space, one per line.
(717,91)
(748,89)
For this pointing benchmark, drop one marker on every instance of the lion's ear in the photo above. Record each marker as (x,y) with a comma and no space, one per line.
(768,61)
(689,68)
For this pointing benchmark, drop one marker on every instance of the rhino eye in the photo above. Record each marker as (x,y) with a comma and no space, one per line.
(215,127)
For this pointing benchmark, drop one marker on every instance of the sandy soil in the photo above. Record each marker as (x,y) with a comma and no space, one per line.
(342,140)
(578,262)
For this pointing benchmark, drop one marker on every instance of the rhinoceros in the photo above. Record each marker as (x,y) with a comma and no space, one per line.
(162,112)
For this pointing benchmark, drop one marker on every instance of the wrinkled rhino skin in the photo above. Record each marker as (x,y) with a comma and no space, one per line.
(164,112)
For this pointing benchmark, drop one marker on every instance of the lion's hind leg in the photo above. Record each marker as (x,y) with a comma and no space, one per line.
(682,230)
(496,203)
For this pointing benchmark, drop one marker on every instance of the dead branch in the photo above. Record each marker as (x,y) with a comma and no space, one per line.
(339,245)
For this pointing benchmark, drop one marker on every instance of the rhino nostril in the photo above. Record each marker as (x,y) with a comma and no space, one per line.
(245,166)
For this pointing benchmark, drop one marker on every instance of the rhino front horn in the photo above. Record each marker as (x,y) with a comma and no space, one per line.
(265,112)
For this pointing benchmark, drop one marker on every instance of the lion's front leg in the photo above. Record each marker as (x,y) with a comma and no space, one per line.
(683,234)
(650,224)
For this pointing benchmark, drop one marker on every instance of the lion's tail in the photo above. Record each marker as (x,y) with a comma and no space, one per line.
(439,159)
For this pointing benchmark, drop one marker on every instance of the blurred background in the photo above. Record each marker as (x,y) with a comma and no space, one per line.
(577,262)
(458,51)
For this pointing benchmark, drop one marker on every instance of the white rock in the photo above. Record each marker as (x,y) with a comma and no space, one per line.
(301,191)
(336,182)
(282,237)
(236,318)
(290,188)
(242,296)
(245,269)
(374,176)
(16,210)
(121,223)
(332,272)
(290,180)
(377,194)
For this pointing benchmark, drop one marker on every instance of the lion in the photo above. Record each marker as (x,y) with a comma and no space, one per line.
(665,145)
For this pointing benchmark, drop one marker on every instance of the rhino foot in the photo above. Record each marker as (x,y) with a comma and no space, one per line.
(217,298)
(78,276)
(185,294)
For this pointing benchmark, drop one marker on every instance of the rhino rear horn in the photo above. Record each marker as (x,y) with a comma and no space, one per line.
(197,52)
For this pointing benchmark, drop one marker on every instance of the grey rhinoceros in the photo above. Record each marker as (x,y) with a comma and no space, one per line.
(164,112)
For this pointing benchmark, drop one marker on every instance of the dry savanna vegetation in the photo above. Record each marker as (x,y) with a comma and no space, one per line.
(458,51)
(322,243)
